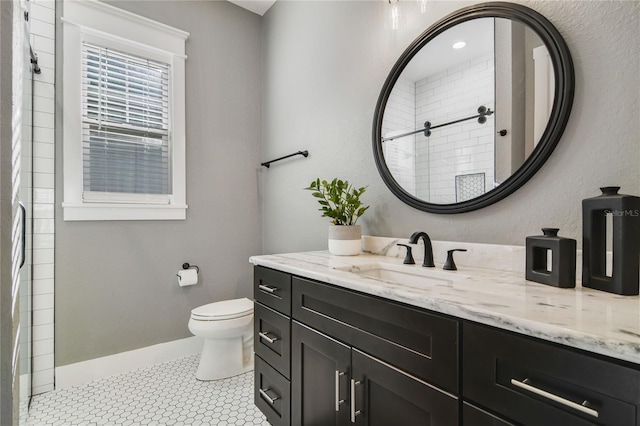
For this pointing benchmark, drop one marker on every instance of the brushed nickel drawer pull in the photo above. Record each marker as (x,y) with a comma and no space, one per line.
(264,394)
(582,408)
(354,412)
(338,400)
(266,337)
(268,288)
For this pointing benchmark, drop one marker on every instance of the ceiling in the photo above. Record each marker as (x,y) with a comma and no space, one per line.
(256,6)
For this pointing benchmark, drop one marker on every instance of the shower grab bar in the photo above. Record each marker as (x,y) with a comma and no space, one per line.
(23,221)
(483,112)
(304,153)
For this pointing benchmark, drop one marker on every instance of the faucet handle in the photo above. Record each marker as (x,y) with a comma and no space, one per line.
(408,259)
(449,264)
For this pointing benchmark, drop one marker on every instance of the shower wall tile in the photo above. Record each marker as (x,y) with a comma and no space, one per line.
(41,361)
(43,316)
(49,4)
(42,29)
(42,332)
(42,271)
(43,347)
(41,377)
(43,180)
(43,89)
(43,150)
(43,241)
(43,44)
(43,104)
(41,211)
(40,12)
(44,286)
(43,301)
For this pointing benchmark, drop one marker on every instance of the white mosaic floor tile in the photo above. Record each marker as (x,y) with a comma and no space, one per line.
(163,394)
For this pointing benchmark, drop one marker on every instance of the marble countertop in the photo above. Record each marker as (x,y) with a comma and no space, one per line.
(582,318)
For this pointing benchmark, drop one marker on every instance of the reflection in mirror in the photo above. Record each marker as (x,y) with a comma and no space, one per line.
(485,89)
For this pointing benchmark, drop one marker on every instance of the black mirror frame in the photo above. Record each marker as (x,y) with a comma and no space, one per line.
(564,91)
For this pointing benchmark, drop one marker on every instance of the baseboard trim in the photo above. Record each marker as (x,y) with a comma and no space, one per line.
(98,368)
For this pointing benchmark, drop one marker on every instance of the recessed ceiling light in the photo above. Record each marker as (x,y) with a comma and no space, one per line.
(459,45)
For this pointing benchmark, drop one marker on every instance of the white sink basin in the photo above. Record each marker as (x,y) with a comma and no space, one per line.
(409,275)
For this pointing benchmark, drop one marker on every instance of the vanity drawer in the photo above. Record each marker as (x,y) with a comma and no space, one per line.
(272,394)
(538,383)
(272,288)
(272,338)
(422,344)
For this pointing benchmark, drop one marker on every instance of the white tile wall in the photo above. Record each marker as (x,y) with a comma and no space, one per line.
(427,167)
(399,117)
(42,26)
(464,148)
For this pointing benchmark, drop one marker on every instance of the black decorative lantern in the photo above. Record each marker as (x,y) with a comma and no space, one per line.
(625,242)
(561,271)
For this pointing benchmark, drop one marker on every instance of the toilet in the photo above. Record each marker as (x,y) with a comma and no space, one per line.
(227,329)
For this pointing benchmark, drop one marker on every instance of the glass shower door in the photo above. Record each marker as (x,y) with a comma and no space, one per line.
(26,207)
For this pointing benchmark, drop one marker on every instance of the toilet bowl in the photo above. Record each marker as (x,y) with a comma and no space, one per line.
(227,329)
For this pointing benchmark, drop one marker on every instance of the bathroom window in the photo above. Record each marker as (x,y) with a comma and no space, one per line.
(125,126)
(123,98)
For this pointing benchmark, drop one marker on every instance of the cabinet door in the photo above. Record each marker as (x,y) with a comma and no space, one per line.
(319,378)
(383,395)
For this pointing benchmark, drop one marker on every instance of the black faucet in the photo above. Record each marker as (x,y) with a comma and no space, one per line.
(428,250)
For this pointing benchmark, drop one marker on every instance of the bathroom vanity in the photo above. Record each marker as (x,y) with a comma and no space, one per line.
(368,340)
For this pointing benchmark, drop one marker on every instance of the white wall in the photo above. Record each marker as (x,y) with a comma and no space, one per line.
(324,66)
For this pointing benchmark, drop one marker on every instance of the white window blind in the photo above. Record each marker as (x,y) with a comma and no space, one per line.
(125,127)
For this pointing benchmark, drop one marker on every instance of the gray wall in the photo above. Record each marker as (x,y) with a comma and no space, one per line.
(325,63)
(116,281)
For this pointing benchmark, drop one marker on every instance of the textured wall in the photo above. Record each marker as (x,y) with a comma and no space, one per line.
(116,281)
(325,63)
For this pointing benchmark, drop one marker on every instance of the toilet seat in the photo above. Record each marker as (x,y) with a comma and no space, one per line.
(227,309)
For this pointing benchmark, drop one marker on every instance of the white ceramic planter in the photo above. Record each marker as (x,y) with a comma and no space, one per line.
(345,240)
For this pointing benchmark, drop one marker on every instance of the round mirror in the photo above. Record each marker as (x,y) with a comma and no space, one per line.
(473,108)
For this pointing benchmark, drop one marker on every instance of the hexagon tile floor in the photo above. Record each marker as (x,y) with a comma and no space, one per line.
(162,394)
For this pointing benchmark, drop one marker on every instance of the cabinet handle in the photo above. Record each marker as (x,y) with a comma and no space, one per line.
(338,400)
(266,337)
(354,412)
(264,394)
(268,288)
(583,408)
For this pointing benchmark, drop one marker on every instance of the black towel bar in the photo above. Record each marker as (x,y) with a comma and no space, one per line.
(268,163)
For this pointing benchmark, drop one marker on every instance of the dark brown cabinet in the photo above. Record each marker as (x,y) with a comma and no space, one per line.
(272,344)
(327,356)
(335,384)
(533,382)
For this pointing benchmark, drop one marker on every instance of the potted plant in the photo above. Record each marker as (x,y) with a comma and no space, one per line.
(340,201)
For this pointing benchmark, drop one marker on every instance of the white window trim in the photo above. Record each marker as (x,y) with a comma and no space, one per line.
(137,35)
